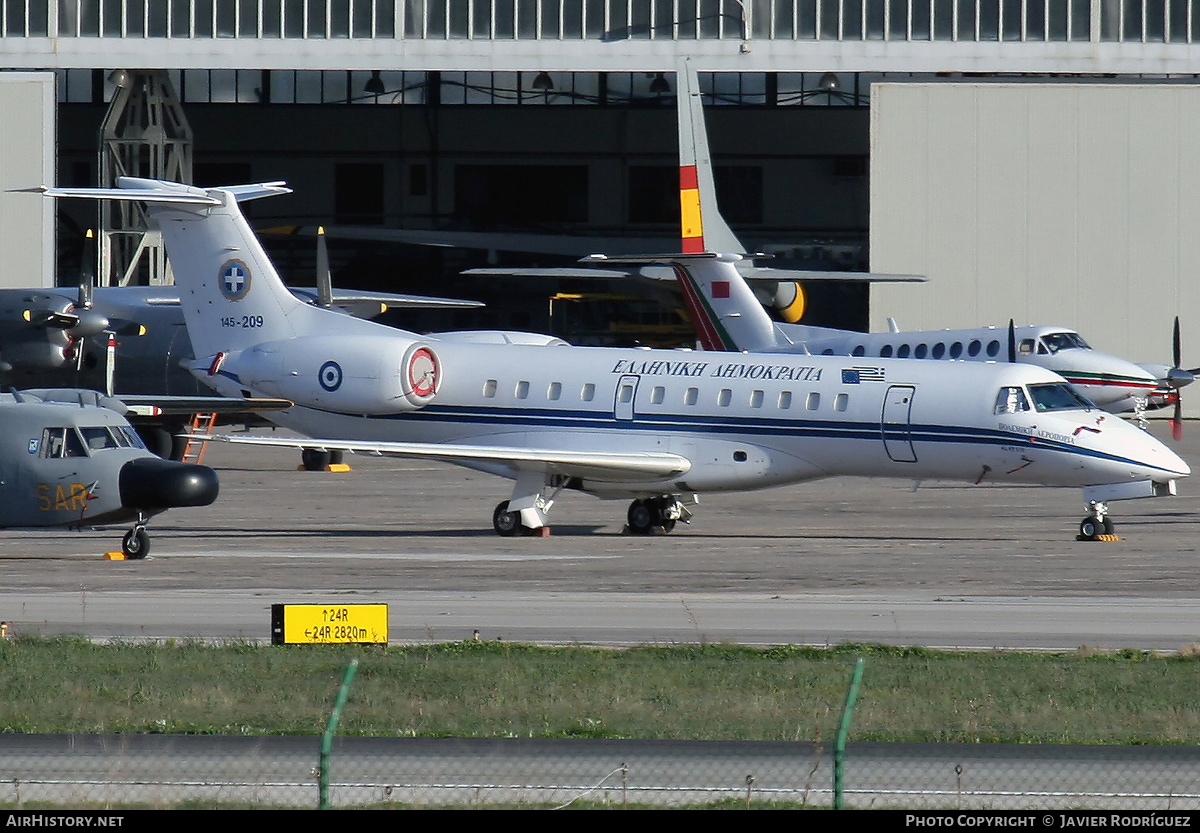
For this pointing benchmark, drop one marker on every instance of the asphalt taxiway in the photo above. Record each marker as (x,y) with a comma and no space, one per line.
(831,561)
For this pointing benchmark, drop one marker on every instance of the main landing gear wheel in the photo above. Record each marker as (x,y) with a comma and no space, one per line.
(1091,529)
(648,515)
(314,459)
(507,524)
(135,544)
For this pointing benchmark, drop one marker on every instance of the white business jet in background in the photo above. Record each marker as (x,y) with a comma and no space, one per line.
(657,426)
(1116,385)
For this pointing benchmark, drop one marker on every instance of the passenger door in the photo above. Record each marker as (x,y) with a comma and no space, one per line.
(897,430)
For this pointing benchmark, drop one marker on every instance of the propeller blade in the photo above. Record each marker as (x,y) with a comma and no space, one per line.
(1012,342)
(110,362)
(86,281)
(1175,347)
(324,279)
(1177,378)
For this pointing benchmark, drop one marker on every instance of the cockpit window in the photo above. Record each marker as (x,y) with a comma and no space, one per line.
(1064,341)
(1011,401)
(98,438)
(1057,397)
(61,442)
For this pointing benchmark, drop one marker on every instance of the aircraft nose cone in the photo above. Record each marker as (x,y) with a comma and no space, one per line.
(152,483)
(1162,457)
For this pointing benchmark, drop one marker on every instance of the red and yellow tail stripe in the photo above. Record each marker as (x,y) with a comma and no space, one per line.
(691,228)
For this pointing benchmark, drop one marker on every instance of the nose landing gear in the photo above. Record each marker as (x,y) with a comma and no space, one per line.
(136,543)
(1097,526)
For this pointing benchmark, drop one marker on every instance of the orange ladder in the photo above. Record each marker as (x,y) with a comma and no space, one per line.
(193,450)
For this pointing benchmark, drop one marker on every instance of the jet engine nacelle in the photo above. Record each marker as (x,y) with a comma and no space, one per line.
(353,375)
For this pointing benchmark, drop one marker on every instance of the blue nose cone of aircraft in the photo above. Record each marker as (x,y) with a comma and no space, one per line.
(152,483)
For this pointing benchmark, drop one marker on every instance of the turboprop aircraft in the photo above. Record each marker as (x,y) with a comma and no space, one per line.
(657,426)
(131,338)
(69,458)
(1114,384)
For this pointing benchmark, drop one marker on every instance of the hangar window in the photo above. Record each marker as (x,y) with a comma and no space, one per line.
(490,194)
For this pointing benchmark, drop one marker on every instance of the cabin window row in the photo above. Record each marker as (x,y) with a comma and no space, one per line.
(939,350)
(658,395)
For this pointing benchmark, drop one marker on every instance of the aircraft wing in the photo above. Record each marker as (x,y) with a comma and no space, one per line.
(551,244)
(140,405)
(749,272)
(592,465)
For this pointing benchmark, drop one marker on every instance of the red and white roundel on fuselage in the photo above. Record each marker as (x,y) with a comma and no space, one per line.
(423,373)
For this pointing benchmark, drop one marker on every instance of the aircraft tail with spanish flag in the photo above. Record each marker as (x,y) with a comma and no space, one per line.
(702,228)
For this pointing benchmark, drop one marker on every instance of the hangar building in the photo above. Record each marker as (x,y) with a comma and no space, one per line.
(1036,159)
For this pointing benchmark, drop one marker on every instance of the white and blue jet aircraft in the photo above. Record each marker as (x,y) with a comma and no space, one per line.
(657,426)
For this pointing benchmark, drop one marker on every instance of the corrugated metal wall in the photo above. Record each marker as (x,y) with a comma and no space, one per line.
(1070,204)
(27,142)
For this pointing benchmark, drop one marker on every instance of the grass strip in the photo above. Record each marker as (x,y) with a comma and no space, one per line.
(494,689)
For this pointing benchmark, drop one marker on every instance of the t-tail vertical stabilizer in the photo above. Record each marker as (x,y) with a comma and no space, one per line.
(249,332)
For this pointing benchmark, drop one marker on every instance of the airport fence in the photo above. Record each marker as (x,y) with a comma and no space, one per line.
(164,771)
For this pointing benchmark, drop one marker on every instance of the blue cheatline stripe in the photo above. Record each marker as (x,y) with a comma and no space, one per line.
(526,419)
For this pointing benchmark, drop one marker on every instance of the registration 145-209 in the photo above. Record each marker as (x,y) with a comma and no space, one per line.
(246,322)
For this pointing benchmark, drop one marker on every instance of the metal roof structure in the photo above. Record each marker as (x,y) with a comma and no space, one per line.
(1129,37)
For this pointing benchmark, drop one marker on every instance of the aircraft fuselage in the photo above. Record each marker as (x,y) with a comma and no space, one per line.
(745,421)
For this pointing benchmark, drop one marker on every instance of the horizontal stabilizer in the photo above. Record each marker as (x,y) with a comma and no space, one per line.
(358,302)
(155,191)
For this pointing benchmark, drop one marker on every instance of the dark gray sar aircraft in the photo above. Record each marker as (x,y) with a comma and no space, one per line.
(69,458)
